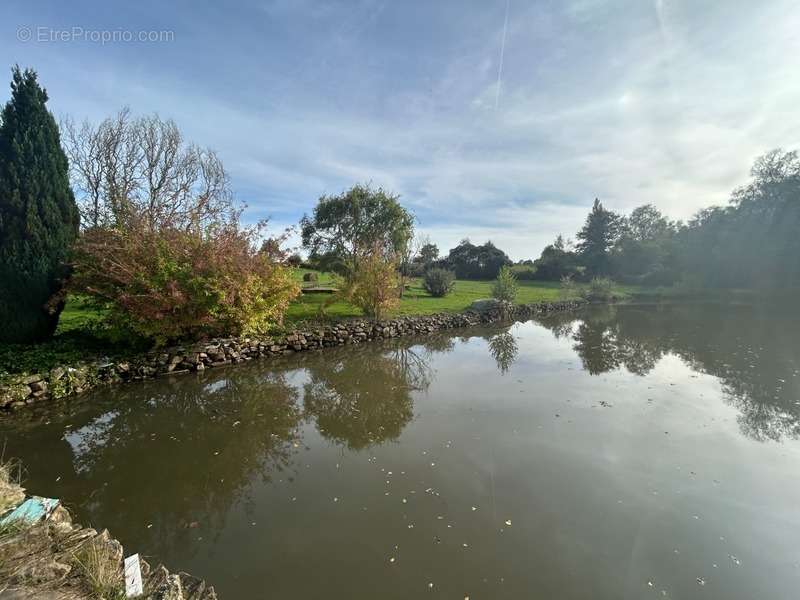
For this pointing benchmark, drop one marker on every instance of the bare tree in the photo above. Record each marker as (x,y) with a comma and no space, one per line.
(141,169)
(83,145)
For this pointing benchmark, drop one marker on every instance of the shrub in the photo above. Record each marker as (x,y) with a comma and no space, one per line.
(171,284)
(438,282)
(374,286)
(505,286)
(524,272)
(311,276)
(38,214)
(600,289)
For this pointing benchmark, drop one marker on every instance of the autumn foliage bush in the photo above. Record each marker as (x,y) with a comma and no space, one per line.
(374,287)
(173,283)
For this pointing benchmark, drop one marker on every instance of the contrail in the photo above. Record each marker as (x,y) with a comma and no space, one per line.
(502,53)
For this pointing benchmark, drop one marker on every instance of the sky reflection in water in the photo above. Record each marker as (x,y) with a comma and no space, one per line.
(616,452)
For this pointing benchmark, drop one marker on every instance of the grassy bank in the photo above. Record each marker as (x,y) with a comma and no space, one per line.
(78,338)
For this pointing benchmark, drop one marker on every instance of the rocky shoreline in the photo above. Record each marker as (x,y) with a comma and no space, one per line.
(64,381)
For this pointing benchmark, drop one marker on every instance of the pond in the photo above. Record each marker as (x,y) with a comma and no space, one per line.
(616,452)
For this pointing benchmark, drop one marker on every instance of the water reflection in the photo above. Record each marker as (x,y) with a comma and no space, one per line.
(504,349)
(752,350)
(363,396)
(186,456)
(419,449)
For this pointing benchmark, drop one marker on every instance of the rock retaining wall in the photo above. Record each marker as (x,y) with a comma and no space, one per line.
(69,380)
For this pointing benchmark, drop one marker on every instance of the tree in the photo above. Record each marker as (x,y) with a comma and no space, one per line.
(374,286)
(557,261)
(644,250)
(428,253)
(347,228)
(753,241)
(476,262)
(505,286)
(645,223)
(38,214)
(130,168)
(597,237)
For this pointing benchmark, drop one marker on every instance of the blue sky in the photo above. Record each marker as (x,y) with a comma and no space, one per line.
(631,101)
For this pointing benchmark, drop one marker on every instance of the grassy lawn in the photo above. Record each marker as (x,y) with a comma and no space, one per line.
(416,301)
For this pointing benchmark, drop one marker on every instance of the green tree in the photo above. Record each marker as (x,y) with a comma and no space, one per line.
(476,262)
(38,214)
(346,228)
(644,250)
(505,286)
(597,237)
(428,253)
(557,261)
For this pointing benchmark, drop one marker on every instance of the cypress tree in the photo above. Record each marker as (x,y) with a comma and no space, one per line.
(38,214)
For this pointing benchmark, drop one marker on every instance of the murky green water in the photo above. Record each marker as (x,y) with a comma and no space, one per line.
(630,452)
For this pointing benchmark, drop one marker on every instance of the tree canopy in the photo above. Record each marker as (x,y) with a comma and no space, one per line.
(596,238)
(346,228)
(469,261)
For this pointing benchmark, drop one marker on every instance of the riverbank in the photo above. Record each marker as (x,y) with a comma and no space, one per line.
(52,557)
(70,379)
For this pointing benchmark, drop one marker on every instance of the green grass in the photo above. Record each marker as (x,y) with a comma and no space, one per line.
(416,301)
(75,340)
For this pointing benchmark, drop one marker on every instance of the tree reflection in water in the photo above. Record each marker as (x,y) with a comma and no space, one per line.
(504,350)
(751,350)
(362,396)
(172,453)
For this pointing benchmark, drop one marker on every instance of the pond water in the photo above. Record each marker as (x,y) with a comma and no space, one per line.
(616,452)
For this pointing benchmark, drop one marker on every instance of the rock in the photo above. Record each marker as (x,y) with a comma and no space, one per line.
(38,386)
(488,304)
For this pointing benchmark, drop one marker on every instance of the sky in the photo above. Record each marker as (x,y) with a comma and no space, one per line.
(493,119)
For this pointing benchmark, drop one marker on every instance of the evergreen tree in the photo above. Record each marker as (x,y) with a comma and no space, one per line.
(597,237)
(38,214)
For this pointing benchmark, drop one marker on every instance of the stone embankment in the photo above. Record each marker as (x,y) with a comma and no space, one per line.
(74,379)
